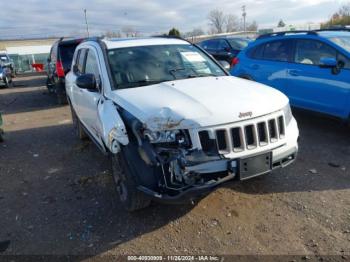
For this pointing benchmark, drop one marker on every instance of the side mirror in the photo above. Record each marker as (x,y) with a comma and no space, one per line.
(87,81)
(328,62)
(224,64)
(227,49)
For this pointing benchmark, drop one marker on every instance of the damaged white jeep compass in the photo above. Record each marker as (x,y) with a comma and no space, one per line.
(173,121)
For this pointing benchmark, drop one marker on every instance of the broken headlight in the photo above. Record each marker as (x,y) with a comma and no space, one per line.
(287,114)
(167,136)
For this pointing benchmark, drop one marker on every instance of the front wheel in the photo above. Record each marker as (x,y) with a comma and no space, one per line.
(130,197)
(1,135)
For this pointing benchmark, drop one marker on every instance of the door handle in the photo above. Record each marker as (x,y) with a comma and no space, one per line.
(255,66)
(294,72)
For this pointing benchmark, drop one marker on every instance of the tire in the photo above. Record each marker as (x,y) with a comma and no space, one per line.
(62,99)
(8,82)
(77,125)
(1,135)
(124,177)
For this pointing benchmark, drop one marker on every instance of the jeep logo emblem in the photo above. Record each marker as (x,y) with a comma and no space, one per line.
(245,114)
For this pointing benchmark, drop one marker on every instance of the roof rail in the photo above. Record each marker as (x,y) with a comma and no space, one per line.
(334,29)
(288,32)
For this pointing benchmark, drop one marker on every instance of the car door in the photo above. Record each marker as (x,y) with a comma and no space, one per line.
(224,51)
(87,99)
(211,46)
(269,62)
(314,87)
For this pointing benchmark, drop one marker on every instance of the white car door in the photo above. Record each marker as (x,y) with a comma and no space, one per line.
(87,100)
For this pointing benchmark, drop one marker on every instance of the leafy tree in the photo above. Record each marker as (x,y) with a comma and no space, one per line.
(339,18)
(174,32)
(281,23)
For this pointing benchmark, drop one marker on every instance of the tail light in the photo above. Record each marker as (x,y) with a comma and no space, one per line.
(59,69)
(234,62)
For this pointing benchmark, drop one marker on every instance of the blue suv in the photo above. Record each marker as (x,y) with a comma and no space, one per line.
(311,67)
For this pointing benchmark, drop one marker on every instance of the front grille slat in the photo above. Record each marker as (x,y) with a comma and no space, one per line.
(247,137)
(250,136)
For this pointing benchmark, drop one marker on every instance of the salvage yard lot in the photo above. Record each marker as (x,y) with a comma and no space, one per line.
(57,195)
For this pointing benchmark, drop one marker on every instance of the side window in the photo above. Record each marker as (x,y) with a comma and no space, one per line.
(91,66)
(310,52)
(256,53)
(223,45)
(80,60)
(212,45)
(276,51)
(53,53)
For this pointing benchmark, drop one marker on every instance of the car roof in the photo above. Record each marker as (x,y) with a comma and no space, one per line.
(112,43)
(304,34)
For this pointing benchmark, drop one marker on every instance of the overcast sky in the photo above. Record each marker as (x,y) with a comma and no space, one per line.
(34,18)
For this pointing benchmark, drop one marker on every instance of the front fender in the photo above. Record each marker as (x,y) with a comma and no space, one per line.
(112,126)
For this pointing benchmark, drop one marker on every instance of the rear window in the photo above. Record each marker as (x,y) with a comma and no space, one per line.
(239,44)
(275,51)
(66,55)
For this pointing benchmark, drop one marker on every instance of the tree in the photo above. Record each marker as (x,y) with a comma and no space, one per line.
(174,32)
(217,20)
(281,23)
(129,31)
(232,23)
(339,18)
(252,26)
(113,34)
(194,32)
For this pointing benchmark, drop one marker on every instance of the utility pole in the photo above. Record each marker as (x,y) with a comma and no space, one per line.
(86,22)
(244,15)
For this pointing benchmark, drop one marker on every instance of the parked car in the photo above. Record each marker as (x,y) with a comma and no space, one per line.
(5,75)
(8,62)
(225,48)
(1,131)
(173,121)
(59,63)
(311,67)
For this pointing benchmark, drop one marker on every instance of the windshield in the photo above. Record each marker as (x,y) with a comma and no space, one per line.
(238,43)
(342,41)
(147,65)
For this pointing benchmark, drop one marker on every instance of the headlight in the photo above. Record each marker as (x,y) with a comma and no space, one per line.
(287,114)
(167,136)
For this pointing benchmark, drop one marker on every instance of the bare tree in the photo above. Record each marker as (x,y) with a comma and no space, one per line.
(217,20)
(232,23)
(252,26)
(129,31)
(113,34)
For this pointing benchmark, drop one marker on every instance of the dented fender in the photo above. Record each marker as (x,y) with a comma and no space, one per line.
(113,131)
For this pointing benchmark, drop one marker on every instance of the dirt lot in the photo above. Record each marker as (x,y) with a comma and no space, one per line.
(57,195)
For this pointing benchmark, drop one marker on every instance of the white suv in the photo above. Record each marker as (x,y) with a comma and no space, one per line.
(173,121)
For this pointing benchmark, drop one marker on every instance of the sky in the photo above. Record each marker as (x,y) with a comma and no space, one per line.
(42,18)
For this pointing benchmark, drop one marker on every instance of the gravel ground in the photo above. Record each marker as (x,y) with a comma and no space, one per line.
(57,195)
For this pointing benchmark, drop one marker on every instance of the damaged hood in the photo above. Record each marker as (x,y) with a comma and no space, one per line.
(199,102)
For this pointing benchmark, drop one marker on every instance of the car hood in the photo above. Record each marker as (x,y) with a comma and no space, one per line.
(199,102)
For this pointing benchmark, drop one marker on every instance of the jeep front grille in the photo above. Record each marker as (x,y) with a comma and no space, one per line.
(250,136)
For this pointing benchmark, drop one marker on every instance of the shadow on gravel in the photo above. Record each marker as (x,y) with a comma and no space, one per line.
(19,100)
(57,196)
